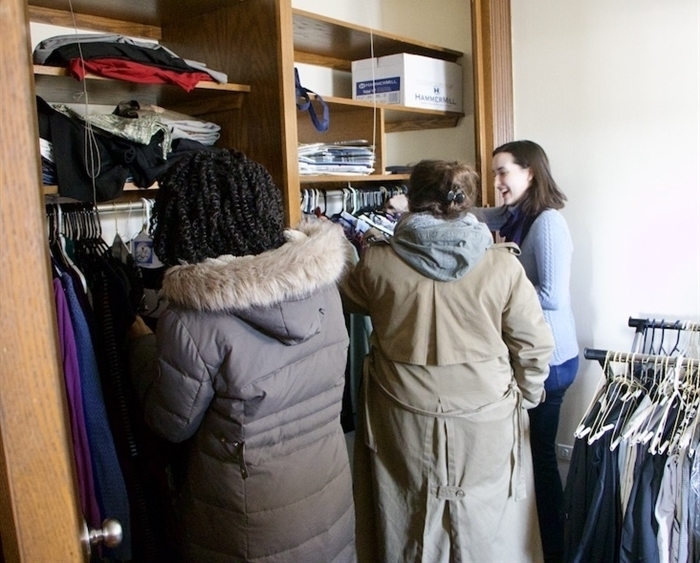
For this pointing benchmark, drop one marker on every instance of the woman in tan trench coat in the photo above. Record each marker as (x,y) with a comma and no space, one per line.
(443,470)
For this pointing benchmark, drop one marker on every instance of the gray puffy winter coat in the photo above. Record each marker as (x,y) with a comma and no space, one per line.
(251,356)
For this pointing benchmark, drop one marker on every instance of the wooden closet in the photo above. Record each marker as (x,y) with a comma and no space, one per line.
(256,42)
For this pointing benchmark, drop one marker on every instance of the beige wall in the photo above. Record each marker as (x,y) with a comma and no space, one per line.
(610,89)
(442,22)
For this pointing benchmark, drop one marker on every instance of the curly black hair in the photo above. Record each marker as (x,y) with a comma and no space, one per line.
(216,202)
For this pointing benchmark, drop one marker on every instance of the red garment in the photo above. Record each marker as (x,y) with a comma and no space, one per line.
(131,71)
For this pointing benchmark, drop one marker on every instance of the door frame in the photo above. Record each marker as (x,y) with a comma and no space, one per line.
(493,87)
(39,514)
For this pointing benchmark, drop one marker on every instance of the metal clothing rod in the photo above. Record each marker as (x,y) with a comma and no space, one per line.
(641,324)
(601,355)
(116,207)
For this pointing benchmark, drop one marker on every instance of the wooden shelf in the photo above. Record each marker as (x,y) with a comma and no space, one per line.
(397,117)
(352,178)
(56,85)
(149,13)
(359,119)
(255,44)
(323,41)
(334,44)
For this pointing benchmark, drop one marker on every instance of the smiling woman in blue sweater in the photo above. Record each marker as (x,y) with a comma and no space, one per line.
(530,218)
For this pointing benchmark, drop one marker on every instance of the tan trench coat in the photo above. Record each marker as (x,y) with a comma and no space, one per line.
(442,468)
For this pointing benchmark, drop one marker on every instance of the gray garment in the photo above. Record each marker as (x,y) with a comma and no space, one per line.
(684,548)
(667,509)
(439,249)
(251,369)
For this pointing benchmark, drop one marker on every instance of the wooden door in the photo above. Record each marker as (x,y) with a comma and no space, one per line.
(39,511)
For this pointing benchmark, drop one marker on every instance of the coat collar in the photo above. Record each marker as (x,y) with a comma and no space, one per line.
(440,249)
(315,255)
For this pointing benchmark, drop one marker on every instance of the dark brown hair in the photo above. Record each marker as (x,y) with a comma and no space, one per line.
(442,188)
(543,192)
(216,202)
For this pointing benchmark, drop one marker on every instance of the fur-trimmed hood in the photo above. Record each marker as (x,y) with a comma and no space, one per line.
(278,291)
(315,255)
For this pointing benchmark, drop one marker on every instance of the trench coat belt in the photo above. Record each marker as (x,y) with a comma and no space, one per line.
(517,475)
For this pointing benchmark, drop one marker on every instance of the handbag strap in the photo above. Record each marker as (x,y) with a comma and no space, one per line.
(304,104)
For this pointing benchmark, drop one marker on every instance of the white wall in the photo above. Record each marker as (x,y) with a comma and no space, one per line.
(610,89)
(446,23)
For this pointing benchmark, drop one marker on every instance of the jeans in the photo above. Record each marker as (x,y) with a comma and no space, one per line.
(549,493)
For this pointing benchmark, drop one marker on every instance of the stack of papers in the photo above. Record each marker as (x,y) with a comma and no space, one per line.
(347,157)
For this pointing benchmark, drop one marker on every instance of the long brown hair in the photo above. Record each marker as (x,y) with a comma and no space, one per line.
(543,192)
(442,188)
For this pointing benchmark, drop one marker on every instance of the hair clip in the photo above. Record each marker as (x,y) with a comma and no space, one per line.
(455,195)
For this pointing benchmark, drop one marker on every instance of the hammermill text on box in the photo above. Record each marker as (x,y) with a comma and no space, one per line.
(410,80)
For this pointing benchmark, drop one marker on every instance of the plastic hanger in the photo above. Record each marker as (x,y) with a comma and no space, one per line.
(63,233)
(591,411)
(119,249)
(602,422)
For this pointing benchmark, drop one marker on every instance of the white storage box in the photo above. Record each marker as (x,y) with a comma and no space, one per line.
(411,80)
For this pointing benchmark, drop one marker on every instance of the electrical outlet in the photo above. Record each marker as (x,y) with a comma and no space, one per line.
(564,451)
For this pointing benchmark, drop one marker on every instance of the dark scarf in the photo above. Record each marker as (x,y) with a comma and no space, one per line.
(517,226)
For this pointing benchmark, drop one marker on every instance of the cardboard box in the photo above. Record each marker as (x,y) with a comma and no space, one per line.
(410,80)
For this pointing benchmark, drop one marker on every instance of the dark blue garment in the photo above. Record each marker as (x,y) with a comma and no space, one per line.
(517,226)
(110,487)
(549,493)
(639,529)
(593,512)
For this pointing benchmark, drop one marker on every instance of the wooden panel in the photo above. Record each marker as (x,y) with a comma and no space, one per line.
(397,117)
(502,64)
(287,103)
(319,60)
(239,39)
(81,21)
(39,515)
(148,12)
(55,85)
(347,123)
(422,123)
(493,83)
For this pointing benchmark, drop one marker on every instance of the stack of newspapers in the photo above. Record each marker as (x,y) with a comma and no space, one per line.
(343,158)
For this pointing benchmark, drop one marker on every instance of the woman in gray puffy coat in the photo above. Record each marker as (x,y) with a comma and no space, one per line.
(248,362)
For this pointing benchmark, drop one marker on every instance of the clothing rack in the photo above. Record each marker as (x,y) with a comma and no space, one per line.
(628,495)
(605,355)
(127,206)
(641,324)
(348,198)
(643,327)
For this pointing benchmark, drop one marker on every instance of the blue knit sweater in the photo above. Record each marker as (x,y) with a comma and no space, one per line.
(546,256)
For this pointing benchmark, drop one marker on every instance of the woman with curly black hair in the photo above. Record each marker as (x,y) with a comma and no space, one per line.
(213,203)
(248,365)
